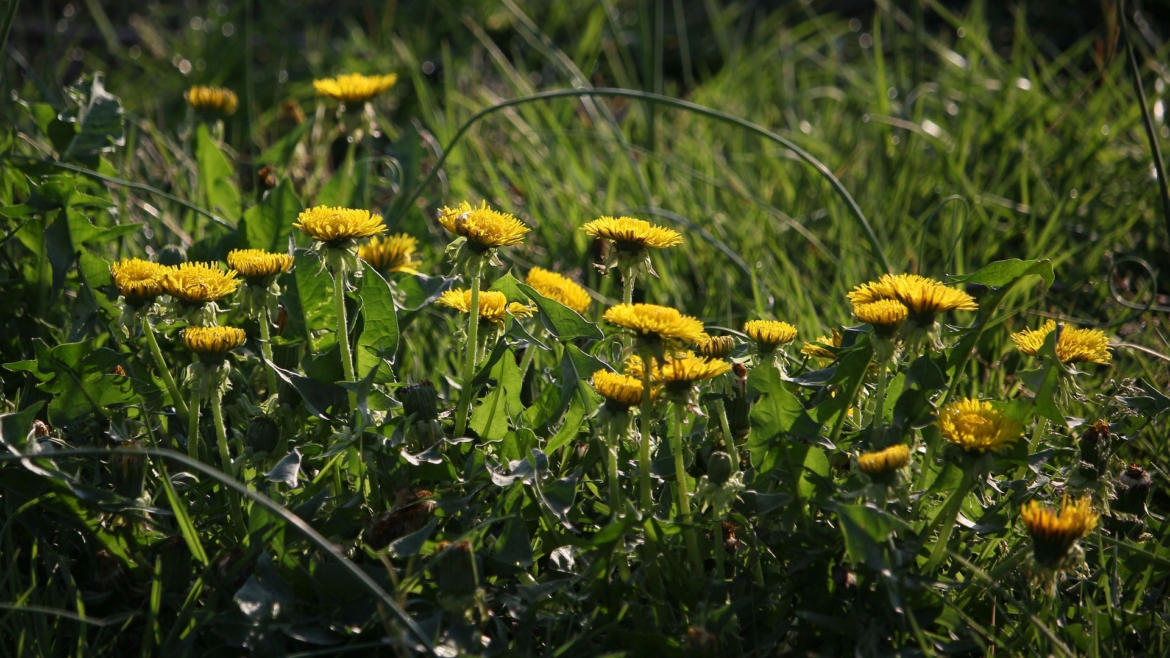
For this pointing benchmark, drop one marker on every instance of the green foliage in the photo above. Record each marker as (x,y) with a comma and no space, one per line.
(812,153)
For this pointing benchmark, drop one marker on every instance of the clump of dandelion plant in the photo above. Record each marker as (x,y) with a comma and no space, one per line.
(479,232)
(260,293)
(631,241)
(335,232)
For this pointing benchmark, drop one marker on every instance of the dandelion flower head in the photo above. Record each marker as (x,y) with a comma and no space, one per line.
(213,341)
(650,321)
(138,280)
(493,305)
(629,234)
(483,227)
(258,264)
(922,296)
(333,225)
(199,283)
(212,99)
(354,87)
(770,334)
(884,461)
(393,253)
(976,426)
(560,288)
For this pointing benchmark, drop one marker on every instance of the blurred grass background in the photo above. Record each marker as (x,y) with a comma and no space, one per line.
(968,132)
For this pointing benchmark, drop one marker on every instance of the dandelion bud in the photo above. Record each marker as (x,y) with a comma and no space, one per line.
(1093,444)
(411,512)
(262,434)
(128,464)
(172,255)
(719,468)
(420,400)
(1133,489)
(109,572)
(457,570)
(266,178)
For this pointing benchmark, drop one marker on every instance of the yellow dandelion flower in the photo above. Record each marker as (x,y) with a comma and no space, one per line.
(493,305)
(212,99)
(630,234)
(213,341)
(1053,534)
(924,297)
(327,224)
(650,321)
(976,426)
(884,461)
(138,280)
(1076,345)
(559,288)
(199,283)
(884,315)
(716,347)
(817,349)
(770,334)
(483,227)
(354,87)
(394,253)
(687,369)
(619,390)
(255,264)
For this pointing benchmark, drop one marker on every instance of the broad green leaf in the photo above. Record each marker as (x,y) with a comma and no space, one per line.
(216,176)
(560,320)
(411,544)
(510,287)
(419,290)
(318,396)
(98,119)
(865,529)
(574,418)
(379,337)
(514,545)
(576,368)
(314,292)
(777,417)
(1003,272)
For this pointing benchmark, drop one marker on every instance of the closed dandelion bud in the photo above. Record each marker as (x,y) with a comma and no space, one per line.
(739,415)
(420,400)
(882,465)
(263,433)
(458,575)
(1093,445)
(719,468)
(109,572)
(266,178)
(128,464)
(716,347)
(1133,489)
(172,255)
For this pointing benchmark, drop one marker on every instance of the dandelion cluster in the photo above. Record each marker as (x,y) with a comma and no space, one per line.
(1075,345)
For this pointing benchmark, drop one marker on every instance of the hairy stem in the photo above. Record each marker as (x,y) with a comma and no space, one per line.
(728,439)
(644,445)
(684,501)
(193,422)
(343,332)
(225,457)
(266,350)
(880,402)
(164,371)
(614,430)
(469,352)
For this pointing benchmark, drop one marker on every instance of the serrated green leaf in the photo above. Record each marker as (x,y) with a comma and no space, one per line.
(216,175)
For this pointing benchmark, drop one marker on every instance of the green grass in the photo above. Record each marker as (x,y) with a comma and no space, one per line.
(961,140)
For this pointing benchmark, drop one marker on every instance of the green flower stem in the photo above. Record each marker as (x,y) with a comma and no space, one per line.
(946,521)
(347,167)
(628,276)
(163,370)
(266,350)
(193,422)
(464,404)
(225,458)
(614,430)
(729,440)
(879,409)
(684,501)
(526,362)
(718,549)
(343,332)
(850,400)
(644,445)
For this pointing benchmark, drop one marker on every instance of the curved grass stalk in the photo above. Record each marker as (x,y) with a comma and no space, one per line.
(315,538)
(824,171)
